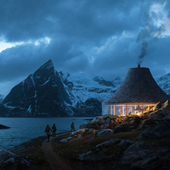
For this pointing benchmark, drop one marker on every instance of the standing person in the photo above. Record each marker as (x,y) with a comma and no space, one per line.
(54,129)
(47,130)
(72,127)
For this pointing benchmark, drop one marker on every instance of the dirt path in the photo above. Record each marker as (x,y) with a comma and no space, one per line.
(55,161)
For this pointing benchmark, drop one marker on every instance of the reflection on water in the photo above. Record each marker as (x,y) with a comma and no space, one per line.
(23,129)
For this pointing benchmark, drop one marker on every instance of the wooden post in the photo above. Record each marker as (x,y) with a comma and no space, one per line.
(114,110)
(110,110)
(142,108)
(135,108)
(126,109)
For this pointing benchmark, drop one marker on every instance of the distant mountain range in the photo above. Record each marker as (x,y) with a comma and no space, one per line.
(164,83)
(47,92)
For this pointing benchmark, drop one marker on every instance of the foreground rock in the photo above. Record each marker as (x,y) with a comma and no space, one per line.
(139,155)
(87,133)
(99,153)
(142,156)
(10,161)
(149,119)
(103,122)
(104,132)
(80,134)
(157,125)
(159,131)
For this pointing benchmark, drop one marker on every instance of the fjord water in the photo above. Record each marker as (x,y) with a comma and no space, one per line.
(23,129)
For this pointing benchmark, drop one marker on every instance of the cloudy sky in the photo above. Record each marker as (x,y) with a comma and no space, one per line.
(104,37)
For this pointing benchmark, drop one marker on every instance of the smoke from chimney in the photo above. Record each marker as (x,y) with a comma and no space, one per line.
(150,31)
(143,52)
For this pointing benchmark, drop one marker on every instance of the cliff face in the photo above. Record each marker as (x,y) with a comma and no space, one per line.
(41,93)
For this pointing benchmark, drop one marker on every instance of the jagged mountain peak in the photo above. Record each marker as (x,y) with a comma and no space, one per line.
(47,66)
(40,93)
(45,71)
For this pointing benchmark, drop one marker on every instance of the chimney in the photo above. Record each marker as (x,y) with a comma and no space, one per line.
(138,66)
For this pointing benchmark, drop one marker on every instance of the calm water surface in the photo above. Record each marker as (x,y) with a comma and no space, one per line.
(23,129)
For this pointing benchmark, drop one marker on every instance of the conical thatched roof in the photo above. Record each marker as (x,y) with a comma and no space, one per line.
(138,87)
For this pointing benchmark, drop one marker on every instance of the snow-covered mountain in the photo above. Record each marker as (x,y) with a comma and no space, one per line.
(164,83)
(40,94)
(84,86)
(87,92)
(47,92)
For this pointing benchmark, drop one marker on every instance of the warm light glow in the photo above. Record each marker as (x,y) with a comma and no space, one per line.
(127,109)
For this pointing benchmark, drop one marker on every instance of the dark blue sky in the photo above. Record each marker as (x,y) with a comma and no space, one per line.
(95,36)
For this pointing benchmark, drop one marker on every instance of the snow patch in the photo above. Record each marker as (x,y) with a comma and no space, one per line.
(87,86)
(29,109)
(45,82)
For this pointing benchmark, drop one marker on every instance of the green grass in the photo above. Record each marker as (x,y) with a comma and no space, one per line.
(72,150)
(32,150)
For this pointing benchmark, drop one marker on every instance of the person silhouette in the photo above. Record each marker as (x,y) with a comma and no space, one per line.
(54,129)
(47,130)
(72,127)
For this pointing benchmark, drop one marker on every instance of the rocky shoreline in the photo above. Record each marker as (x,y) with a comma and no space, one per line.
(154,126)
(23,156)
(27,155)
(134,142)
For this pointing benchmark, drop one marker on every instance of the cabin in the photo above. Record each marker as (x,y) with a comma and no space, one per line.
(138,93)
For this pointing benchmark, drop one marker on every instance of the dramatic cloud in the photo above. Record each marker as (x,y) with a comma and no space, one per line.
(102,37)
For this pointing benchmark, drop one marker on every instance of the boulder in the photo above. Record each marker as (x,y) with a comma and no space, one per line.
(145,115)
(90,125)
(122,128)
(108,143)
(157,106)
(142,156)
(98,153)
(11,161)
(103,122)
(159,131)
(79,131)
(164,111)
(68,139)
(104,132)
(148,123)
(167,118)
(158,114)
(88,132)
(166,105)
(137,146)
(124,143)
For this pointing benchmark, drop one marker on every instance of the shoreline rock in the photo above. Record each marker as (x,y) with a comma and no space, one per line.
(11,161)
(4,127)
